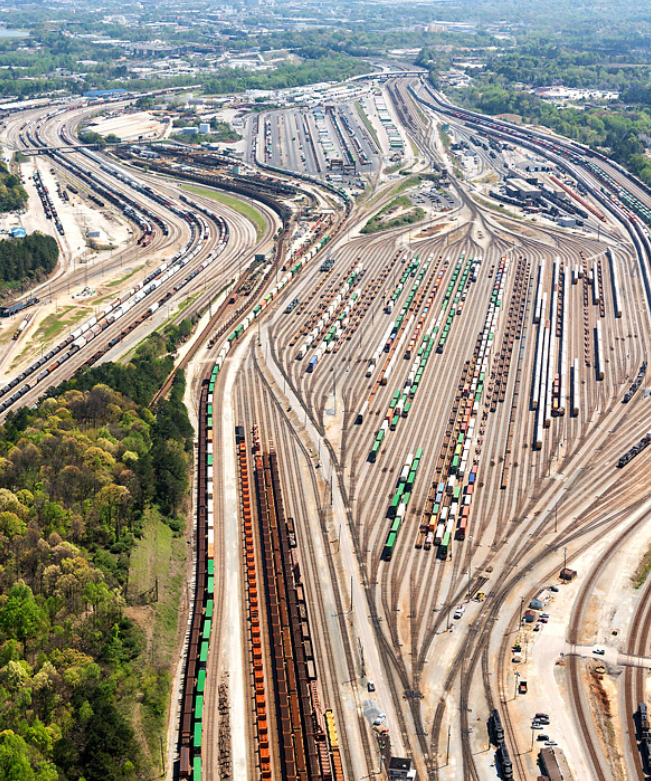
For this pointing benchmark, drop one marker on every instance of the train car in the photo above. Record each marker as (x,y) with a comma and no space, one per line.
(390,546)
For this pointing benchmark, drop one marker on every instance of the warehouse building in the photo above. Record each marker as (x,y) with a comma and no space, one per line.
(518,188)
(554,765)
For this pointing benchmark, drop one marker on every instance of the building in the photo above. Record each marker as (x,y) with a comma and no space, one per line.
(18,233)
(529,617)
(540,600)
(204,128)
(567,574)
(555,765)
(522,189)
(104,93)
(567,222)
(401,769)
(190,131)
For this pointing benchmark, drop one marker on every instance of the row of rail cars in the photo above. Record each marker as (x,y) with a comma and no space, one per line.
(192,726)
(37,372)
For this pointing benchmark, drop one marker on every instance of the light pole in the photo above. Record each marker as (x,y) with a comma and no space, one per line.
(469,564)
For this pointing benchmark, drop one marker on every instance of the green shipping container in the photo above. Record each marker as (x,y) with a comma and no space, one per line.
(207,627)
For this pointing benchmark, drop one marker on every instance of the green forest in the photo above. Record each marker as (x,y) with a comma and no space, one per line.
(12,192)
(80,477)
(27,259)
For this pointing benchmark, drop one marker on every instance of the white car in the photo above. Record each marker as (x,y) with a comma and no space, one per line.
(379,719)
(458,613)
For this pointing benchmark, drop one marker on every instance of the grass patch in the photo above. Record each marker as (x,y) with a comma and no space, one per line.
(382,221)
(116,282)
(367,123)
(50,328)
(156,568)
(642,571)
(52,325)
(414,180)
(245,209)
(159,555)
(495,208)
(186,303)
(392,169)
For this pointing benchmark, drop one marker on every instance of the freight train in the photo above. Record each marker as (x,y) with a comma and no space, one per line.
(190,737)
(91,328)
(496,731)
(635,384)
(644,733)
(635,450)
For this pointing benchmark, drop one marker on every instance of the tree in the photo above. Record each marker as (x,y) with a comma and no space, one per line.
(21,617)
(14,760)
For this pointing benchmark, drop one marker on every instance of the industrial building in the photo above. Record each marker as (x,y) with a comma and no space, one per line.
(518,188)
(554,765)
(401,769)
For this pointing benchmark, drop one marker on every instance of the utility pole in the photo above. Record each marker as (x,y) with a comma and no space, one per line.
(469,565)
(351,594)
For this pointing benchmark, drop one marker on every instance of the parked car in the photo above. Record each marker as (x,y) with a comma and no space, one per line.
(370,686)
(599,651)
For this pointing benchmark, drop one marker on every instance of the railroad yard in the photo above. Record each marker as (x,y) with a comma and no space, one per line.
(420,522)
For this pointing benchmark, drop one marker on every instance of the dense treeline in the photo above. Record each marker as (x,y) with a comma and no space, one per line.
(617,133)
(77,477)
(618,128)
(330,67)
(91,137)
(12,193)
(27,259)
